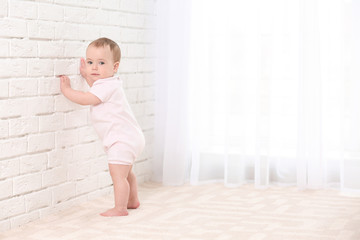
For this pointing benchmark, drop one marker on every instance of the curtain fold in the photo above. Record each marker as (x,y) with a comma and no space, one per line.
(258,91)
(171,150)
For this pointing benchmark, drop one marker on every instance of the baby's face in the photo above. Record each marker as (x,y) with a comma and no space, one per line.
(99,63)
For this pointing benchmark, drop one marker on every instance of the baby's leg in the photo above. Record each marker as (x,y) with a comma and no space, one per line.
(119,175)
(133,198)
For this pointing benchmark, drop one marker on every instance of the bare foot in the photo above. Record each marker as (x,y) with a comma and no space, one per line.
(113,212)
(133,204)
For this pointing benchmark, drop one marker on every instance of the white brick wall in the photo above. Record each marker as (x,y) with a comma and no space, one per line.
(50,156)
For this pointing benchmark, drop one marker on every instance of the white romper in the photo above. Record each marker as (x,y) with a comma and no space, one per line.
(115,122)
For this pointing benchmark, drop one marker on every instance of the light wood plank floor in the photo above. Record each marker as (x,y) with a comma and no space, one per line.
(207,212)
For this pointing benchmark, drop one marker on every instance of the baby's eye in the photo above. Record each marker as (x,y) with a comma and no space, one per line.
(101,63)
(89,62)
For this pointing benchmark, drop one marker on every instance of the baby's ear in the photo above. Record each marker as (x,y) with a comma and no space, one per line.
(116,66)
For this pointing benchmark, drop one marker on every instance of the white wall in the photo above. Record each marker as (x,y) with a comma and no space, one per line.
(50,156)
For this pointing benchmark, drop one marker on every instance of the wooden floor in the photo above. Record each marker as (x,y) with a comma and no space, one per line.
(207,212)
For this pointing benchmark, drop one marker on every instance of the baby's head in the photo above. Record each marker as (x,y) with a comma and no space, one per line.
(102,59)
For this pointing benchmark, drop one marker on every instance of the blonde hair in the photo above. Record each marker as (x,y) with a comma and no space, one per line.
(114,47)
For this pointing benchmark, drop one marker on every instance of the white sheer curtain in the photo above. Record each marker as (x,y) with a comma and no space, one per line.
(267,91)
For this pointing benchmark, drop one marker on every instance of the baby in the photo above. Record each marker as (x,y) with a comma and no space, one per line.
(112,118)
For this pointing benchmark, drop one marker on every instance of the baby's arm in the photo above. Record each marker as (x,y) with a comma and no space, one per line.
(79,97)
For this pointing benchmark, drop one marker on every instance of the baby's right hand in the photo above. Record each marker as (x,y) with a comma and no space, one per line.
(64,83)
(82,68)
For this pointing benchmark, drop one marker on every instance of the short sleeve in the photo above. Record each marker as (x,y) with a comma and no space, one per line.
(102,90)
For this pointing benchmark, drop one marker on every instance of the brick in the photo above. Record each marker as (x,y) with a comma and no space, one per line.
(87,134)
(147,7)
(54,176)
(49,86)
(41,142)
(5,225)
(12,28)
(41,29)
(141,168)
(9,168)
(148,151)
(150,51)
(111,32)
(87,185)
(84,151)
(135,20)
(135,51)
(89,32)
(12,207)
(4,128)
(147,94)
(42,105)
(67,138)
(51,49)
(132,95)
(64,192)
(4,89)
(53,122)
(74,15)
(146,36)
(138,109)
(59,157)
(6,187)
(23,87)
(14,111)
(149,79)
(147,65)
(66,67)
(23,126)
(76,118)
(13,147)
(24,218)
(33,163)
(4,8)
(51,12)
(129,5)
(4,48)
(104,179)
(26,106)
(79,171)
(12,67)
(38,200)
(110,4)
(23,48)
(97,16)
(117,18)
(23,9)
(27,183)
(132,80)
(62,104)
(128,65)
(68,31)
(128,35)
(75,49)
(40,67)
(146,122)
(83,3)
(80,84)
(100,150)
(150,22)
(100,164)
